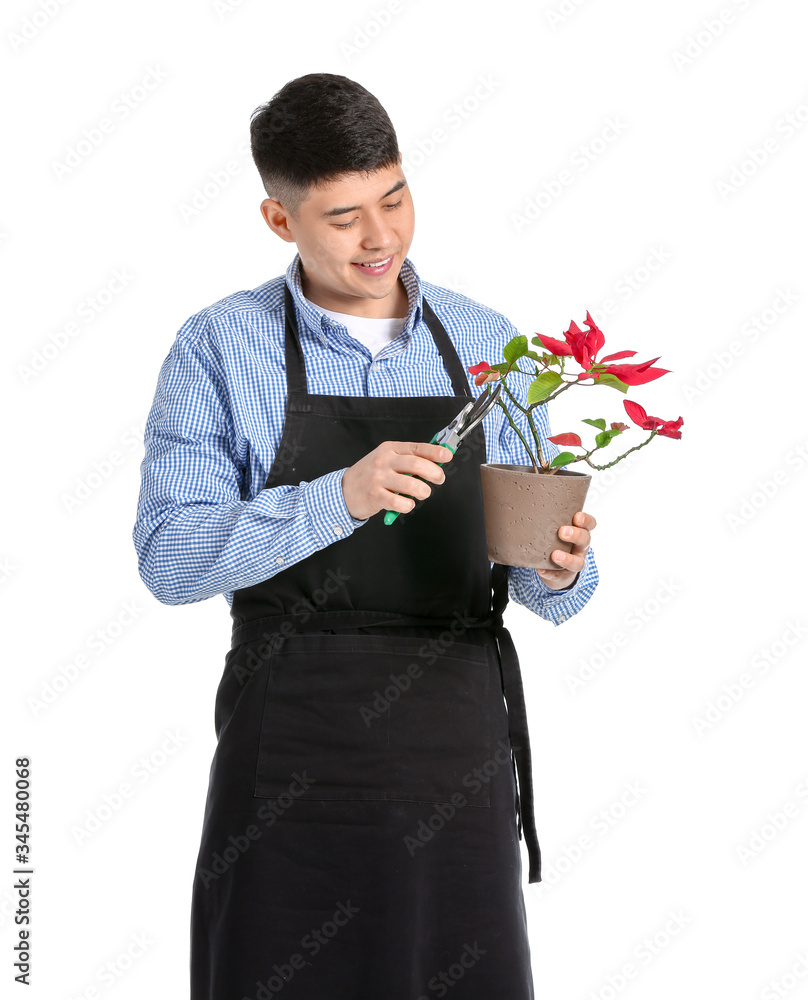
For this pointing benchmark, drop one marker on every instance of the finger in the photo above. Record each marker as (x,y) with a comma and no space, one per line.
(584,520)
(579,537)
(413,465)
(410,486)
(433,452)
(398,501)
(572,561)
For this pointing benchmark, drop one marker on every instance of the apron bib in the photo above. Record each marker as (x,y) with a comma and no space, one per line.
(362,824)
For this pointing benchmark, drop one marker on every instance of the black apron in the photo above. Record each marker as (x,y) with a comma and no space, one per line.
(362,824)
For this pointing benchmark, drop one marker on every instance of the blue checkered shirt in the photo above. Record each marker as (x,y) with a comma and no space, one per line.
(205,525)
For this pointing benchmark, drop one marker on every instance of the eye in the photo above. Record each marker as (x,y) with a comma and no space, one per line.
(347,225)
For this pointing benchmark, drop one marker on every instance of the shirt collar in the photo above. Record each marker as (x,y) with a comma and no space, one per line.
(327,328)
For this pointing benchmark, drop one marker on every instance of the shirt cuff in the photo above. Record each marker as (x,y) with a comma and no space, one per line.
(325,505)
(528,589)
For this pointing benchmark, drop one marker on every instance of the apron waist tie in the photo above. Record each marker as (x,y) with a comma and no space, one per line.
(271,629)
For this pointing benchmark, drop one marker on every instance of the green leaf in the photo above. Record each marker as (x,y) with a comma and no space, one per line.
(563,459)
(613,381)
(603,439)
(550,359)
(515,348)
(599,423)
(502,367)
(532,354)
(541,387)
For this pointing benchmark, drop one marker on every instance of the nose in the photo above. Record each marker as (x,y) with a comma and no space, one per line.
(377,233)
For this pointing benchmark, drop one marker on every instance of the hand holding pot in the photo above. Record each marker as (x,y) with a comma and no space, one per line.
(572,562)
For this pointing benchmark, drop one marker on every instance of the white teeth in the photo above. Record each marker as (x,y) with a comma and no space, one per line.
(379,262)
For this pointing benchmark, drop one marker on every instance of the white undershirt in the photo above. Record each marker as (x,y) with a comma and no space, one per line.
(373,333)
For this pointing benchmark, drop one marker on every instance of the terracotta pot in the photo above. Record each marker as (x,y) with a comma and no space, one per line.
(524,510)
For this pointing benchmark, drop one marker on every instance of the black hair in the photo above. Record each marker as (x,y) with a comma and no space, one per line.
(315,129)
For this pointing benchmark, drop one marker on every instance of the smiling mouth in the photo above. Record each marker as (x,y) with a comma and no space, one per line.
(377,263)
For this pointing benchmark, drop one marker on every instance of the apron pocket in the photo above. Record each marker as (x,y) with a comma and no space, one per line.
(378,718)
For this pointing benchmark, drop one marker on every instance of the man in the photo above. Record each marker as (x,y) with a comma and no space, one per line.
(361,833)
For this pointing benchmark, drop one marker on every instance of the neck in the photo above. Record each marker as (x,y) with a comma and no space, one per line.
(391,306)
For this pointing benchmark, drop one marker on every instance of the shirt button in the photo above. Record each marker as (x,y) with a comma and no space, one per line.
(337,529)
(279,560)
(562,618)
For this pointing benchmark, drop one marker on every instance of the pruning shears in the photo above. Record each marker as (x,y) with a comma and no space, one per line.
(454,432)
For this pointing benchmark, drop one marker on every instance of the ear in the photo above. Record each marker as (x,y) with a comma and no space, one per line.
(277,218)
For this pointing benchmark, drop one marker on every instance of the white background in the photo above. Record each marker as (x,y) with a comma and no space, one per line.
(699,542)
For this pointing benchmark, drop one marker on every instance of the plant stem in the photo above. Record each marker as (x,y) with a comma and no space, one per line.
(515,428)
(585,458)
(511,396)
(534,432)
(536,438)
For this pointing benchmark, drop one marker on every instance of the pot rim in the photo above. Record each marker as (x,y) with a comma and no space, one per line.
(527,470)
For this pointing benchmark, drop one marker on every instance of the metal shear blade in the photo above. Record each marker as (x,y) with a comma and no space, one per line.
(468,418)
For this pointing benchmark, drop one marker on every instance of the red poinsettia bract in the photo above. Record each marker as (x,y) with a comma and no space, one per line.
(584,348)
(484,373)
(665,428)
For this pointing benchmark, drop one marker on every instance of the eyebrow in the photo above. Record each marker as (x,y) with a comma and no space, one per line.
(353,208)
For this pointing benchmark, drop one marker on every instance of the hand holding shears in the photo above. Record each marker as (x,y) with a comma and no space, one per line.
(451,435)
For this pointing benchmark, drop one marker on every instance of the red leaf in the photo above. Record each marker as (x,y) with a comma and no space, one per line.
(596,338)
(581,344)
(483,366)
(615,357)
(591,323)
(640,378)
(635,411)
(557,347)
(637,374)
(565,439)
(665,428)
(670,428)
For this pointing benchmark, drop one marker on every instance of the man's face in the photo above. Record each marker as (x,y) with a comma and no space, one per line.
(358,219)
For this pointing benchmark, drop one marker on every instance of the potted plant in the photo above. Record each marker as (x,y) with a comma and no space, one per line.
(526,504)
